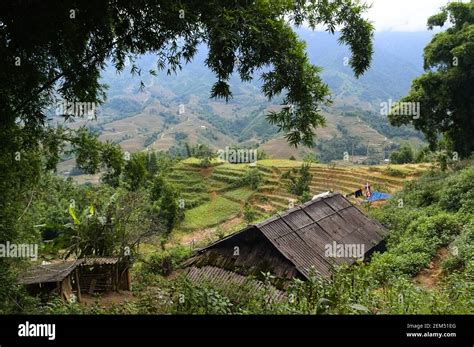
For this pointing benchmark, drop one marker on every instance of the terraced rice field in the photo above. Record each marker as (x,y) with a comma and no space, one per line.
(212,195)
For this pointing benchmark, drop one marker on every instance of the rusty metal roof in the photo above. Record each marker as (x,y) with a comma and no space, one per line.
(302,233)
(229,279)
(57,271)
(54,272)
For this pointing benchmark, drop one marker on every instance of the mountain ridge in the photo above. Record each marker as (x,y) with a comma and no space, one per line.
(150,117)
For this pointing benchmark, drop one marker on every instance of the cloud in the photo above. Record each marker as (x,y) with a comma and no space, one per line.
(403,15)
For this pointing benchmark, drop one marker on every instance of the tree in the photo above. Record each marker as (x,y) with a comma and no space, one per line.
(152,163)
(202,152)
(261,154)
(250,214)
(446,90)
(87,150)
(73,40)
(165,198)
(135,172)
(403,156)
(109,223)
(113,161)
(252,178)
(299,184)
(93,155)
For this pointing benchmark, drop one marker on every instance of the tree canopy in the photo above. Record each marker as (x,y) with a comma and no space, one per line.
(445,91)
(57,50)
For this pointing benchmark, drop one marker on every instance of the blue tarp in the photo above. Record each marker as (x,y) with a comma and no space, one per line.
(376,196)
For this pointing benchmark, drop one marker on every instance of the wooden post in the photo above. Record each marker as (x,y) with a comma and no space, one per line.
(78,286)
(129,280)
(92,286)
(116,277)
(59,288)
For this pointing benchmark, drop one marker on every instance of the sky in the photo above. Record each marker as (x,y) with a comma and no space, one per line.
(403,15)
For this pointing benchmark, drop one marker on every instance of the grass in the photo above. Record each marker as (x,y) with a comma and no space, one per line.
(210,214)
(241,194)
(195,161)
(233,167)
(279,163)
(225,177)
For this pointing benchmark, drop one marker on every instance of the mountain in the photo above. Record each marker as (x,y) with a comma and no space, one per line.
(396,62)
(150,117)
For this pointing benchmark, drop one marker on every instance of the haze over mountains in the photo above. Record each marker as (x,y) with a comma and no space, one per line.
(151,118)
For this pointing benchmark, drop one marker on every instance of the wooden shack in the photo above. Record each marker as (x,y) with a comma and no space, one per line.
(294,243)
(70,279)
(104,274)
(60,277)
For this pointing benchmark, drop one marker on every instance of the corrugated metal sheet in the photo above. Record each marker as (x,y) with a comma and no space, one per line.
(297,219)
(229,280)
(100,261)
(303,233)
(47,273)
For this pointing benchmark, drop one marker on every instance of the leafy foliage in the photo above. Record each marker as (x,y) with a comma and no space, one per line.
(300,179)
(252,178)
(250,214)
(166,202)
(135,171)
(203,152)
(404,155)
(445,91)
(165,262)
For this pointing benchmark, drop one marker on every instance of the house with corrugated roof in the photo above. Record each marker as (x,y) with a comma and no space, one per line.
(311,238)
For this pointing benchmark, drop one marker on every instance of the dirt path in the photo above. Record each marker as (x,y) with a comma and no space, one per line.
(430,277)
(202,235)
(107,300)
(207,172)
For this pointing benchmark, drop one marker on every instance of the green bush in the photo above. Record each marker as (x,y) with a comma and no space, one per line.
(252,178)
(458,191)
(165,262)
(250,214)
(394,172)
(404,155)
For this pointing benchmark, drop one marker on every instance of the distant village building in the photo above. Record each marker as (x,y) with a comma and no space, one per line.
(313,237)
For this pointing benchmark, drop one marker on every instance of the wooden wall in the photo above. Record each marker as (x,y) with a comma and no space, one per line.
(248,253)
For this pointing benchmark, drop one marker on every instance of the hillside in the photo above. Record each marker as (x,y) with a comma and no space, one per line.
(150,117)
(214,201)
